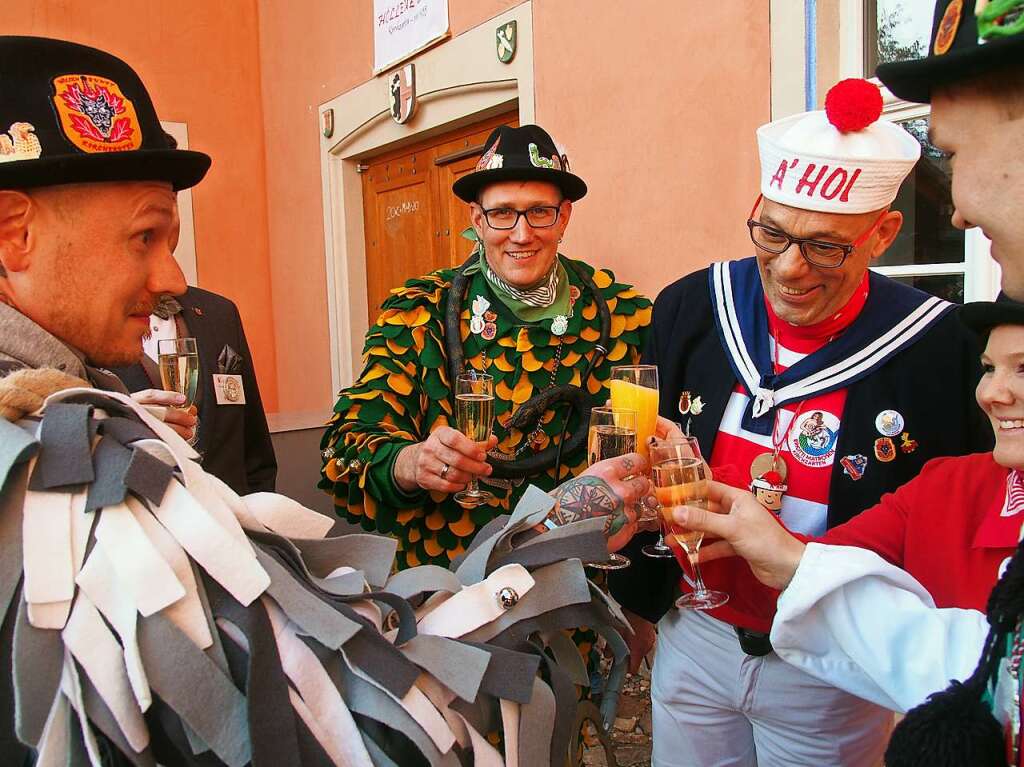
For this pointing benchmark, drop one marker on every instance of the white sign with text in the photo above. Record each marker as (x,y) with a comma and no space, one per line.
(404,27)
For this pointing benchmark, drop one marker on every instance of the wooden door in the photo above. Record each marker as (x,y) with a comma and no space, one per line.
(412,219)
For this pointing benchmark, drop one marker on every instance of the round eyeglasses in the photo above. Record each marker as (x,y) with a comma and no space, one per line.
(825,255)
(538,216)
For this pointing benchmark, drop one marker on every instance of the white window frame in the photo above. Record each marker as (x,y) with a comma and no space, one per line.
(981,273)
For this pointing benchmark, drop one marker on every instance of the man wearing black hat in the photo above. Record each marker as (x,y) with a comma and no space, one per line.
(88,214)
(546,327)
(88,225)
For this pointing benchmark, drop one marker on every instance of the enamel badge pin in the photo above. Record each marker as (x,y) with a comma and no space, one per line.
(690,405)
(885,450)
(854,465)
(889,423)
(477,321)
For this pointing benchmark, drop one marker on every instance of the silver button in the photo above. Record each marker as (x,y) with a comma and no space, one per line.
(507,597)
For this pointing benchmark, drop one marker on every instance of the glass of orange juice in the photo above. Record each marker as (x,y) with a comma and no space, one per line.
(635,387)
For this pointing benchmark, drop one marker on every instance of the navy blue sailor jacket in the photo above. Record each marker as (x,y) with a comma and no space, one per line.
(931,383)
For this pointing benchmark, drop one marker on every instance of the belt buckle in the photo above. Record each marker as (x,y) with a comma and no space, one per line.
(753,643)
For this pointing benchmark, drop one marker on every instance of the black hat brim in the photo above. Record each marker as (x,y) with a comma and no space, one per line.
(182,168)
(469,186)
(913,80)
(982,316)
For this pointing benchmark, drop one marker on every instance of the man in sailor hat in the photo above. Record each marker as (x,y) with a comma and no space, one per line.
(796,352)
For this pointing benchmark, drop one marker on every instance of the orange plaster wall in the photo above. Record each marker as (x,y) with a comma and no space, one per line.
(200,62)
(311,51)
(657,106)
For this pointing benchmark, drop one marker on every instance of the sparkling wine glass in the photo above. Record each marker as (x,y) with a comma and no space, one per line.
(474,416)
(178,359)
(681,479)
(659,550)
(612,433)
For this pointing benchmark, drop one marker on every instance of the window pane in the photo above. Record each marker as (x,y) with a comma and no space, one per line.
(898,30)
(927,236)
(947,286)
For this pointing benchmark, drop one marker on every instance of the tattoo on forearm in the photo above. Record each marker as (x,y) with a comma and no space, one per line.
(586,498)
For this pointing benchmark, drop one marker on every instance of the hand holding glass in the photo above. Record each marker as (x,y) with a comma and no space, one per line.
(681,479)
(178,359)
(474,417)
(612,433)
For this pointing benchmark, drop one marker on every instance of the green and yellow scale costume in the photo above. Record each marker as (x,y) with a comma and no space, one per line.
(403,394)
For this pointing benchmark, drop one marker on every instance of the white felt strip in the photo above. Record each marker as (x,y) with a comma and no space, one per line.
(476,605)
(143,573)
(96,649)
(99,581)
(71,686)
(342,740)
(231,563)
(510,727)
(54,615)
(287,517)
(187,613)
(46,536)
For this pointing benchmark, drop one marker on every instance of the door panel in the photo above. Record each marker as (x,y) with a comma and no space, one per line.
(412,219)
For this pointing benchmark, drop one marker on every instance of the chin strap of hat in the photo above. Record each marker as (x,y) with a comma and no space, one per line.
(530,412)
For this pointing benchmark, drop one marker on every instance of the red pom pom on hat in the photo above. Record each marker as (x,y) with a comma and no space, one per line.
(772,477)
(853,104)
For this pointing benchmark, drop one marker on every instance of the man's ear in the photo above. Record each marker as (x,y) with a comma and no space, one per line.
(476,218)
(16,211)
(891,224)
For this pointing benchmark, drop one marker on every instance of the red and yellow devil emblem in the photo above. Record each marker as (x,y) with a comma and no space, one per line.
(95,115)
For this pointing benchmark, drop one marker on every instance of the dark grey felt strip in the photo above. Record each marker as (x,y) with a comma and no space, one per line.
(102,719)
(536,722)
(125,430)
(12,506)
(509,674)
(483,534)
(65,457)
(380,759)
(311,614)
(192,685)
(420,580)
(376,657)
(459,667)
(532,509)
(16,446)
(110,406)
(565,708)
(588,545)
(38,659)
(364,698)
(373,554)
(110,462)
(147,476)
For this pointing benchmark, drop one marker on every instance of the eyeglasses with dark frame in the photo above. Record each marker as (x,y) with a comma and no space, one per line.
(537,216)
(825,255)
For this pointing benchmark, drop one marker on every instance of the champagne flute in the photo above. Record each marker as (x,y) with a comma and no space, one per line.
(474,415)
(612,433)
(178,359)
(635,387)
(680,479)
(659,550)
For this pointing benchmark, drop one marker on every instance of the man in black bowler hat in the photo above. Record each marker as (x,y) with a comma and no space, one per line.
(546,327)
(88,224)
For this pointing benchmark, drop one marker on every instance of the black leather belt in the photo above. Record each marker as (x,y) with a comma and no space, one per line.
(753,643)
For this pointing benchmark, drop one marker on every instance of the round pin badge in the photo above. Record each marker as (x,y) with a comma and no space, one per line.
(476,324)
(889,423)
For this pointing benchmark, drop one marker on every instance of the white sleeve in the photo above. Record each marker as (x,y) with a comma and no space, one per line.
(852,620)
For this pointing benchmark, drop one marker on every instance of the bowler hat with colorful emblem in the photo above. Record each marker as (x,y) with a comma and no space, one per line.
(526,153)
(969,37)
(74,114)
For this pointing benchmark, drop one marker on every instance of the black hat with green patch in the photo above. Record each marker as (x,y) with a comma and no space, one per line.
(526,153)
(74,114)
(969,37)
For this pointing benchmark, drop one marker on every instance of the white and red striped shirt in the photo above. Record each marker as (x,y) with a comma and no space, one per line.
(808,447)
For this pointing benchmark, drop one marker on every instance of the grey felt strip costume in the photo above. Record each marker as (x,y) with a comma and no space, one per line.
(243,697)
